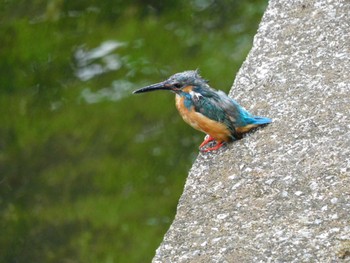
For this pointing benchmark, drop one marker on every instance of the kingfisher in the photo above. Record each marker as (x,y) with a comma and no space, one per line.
(208,110)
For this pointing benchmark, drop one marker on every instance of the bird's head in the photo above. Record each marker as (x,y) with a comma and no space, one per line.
(177,82)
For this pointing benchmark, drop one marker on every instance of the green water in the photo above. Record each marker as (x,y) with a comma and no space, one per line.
(89,172)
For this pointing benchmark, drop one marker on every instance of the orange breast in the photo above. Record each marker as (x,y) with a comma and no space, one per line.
(217,130)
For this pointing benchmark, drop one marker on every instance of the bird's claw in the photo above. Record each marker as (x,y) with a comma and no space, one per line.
(206,141)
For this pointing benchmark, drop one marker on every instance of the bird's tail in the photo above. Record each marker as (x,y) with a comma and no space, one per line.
(246,118)
(248,123)
(259,120)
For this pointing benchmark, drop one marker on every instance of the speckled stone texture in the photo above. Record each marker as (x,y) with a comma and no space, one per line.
(281,194)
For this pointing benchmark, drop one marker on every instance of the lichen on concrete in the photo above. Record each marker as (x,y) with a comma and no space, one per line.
(281,194)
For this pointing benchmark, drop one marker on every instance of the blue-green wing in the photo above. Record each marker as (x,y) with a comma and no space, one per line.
(216,106)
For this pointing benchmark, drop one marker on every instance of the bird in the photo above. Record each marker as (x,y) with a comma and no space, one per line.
(208,110)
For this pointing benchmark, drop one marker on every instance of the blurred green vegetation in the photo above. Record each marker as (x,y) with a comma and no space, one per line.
(88,172)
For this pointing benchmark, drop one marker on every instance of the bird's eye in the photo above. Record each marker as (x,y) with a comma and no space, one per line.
(177,85)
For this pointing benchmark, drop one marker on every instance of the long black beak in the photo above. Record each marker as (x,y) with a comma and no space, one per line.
(157,86)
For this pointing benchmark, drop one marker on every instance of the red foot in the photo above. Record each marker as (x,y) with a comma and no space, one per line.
(217,146)
(207,140)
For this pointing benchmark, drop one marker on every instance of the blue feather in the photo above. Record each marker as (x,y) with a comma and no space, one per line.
(245,118)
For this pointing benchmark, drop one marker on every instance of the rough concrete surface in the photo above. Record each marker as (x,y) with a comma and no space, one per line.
(281,194)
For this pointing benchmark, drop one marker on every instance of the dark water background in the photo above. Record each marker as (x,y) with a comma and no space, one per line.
(89,172)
